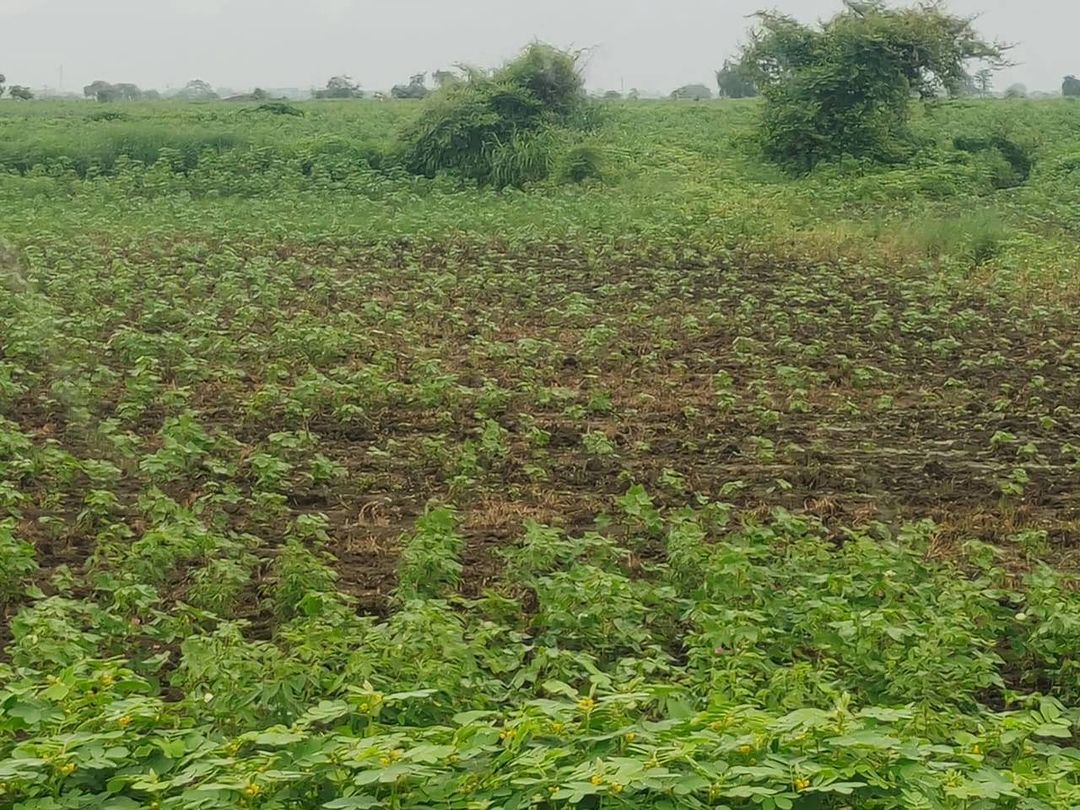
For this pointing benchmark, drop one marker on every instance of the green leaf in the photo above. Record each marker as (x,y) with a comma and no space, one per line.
(325,712)
(843,788)
(430,754)
(276,739)
(468,718)
(865,739)
(1053,730)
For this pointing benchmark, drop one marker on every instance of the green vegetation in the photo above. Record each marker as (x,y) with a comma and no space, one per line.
(732,83)
(502,128)
(844,89)
(498,468)
(415,89)
(340,87)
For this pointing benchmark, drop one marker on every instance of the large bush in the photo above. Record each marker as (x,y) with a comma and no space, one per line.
(844,88)
(497,128)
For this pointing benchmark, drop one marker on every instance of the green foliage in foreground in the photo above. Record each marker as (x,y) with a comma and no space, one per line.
(758,667)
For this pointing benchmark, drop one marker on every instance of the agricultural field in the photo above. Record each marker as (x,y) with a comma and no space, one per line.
(694,484)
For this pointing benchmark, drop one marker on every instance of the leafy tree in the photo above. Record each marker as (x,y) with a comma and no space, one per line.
(101,90)
(415,89)
(106,92)
(340,87)
(732,82)
(694,92)
(1017,90)
(844,88)
(3,81)
(1070,87)
(20,92)
(984,82)
(612,95)
(197,90)
(129,92)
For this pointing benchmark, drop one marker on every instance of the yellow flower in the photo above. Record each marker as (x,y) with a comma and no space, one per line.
(630,736)
(976,749)
(365,708)
(558,728)
(553,789)
(745,749)
(124,721)
(252,790)
(507,734)
(616,788)
(106,680)
(801,783)
(586,704)
(68,768)
(597,779)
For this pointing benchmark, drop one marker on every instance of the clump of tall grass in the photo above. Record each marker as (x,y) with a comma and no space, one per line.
(499,128)
(582,162)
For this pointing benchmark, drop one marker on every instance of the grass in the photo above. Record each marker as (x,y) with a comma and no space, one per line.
(693,485)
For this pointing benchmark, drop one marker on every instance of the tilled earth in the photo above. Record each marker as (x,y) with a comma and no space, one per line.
(251,384)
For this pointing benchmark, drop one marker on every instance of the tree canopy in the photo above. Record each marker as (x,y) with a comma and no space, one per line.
(1070,87)
(415,89)
(732,81)
(844,87)
(197,90)
(107,92)
(340,87)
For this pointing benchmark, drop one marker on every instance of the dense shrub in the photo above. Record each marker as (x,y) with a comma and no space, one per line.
(493,128)
(582,162)
(1017,161)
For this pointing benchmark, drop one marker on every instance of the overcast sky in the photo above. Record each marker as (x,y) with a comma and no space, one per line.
(654,45)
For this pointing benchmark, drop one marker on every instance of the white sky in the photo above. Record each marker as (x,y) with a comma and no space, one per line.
(655,45)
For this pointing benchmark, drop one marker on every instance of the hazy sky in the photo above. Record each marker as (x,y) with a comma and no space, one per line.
(654,45)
